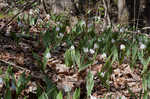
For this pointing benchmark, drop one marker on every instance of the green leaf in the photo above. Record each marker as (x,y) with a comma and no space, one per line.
(45,58)
(8,94)
(59,95)
(146,96)
(43,96)
(89,83)
(132,94)
(51,88)
(1,71)
(22,82)
(77,58)
(76,94)
(134,55)
(84,66)
(68,58)
(32,21)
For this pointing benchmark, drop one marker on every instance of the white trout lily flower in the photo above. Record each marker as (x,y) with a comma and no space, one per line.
(48,16)
(92,51)
(122,30)
(85,50)
(61,35)
(92,97)
(57,29)
(72,47)
(89,25)
(102,74)
(48,55)
(122,46)
(31,12)
(112,41)
(142,46)
(96,46)
(103,56)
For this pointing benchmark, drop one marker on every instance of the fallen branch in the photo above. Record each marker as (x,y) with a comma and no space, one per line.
(14,65)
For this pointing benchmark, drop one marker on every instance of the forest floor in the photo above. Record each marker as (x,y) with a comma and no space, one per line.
(19,55)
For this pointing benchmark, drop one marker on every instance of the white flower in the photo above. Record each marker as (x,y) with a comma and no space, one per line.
(8,31)
(58,23)
(103,55)
(57,29)
(85,50)
(139,31)
(67,88)
(31,12)
(102,74)
(39,21)
(83,23)
(72,47)
(20,24)
(92,51)
(48,16)
(96,46)
(48,55)
(61,35)
(122,46)
(36,10)
(89,25)
(99,18)
(92,97)
(122,29)
(113,41)
(1,80)
(142,46)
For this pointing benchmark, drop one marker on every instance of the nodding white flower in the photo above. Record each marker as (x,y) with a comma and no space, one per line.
(85,50)
(48,16)
(31,12)
(67,88)
(99,18)
(122,29)
(142,46)
(89,25)
(72,47)
(122,46)
(57,29)
(36,10)
(112,41)
(92,97)
(96,46)
(20,24)
(92,51)
(39,21)
(83,23)
(102,74)
(8,31)
(1,80)
(103,55)
(61,35)
(48,55)
(138,31)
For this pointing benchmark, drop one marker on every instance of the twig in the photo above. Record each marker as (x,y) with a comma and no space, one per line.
(14,65)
